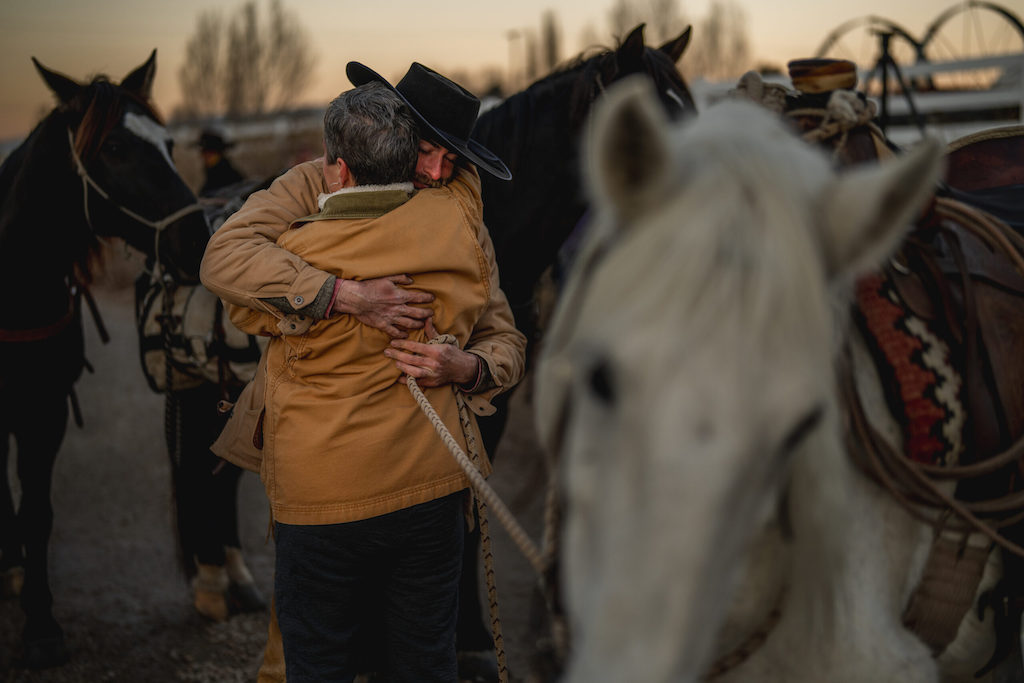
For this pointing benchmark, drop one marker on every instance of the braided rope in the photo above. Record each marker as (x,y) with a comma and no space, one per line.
(480,486)
(771,96)
(481,489)
(484,495)
(486,548)
(983,135)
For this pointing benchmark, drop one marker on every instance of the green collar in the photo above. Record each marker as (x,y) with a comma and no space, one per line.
(370,203)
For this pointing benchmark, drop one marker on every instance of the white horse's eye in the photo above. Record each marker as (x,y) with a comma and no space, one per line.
(601,381)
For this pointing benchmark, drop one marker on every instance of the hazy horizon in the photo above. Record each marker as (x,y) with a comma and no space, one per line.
(82,39)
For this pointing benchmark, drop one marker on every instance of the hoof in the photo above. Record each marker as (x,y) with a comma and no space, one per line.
(245,597)
(209,592)
(11,582)
(210,604)
(479,666)
(45,653)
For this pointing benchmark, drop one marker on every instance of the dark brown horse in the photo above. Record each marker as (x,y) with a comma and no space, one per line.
(538,133)
(99,165)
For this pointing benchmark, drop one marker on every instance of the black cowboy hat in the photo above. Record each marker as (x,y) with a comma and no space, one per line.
(446,110)
(213,142)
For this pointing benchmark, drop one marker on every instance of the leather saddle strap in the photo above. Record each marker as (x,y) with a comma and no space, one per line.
(945,592)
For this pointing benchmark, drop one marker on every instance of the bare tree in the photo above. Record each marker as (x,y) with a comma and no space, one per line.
(289,63)
(200,76)
(243,86)
(720,48)
(247,65)
(549,32)
(624,15)
(662,17)
(530,52)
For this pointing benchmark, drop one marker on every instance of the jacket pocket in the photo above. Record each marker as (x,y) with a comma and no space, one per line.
(241,440)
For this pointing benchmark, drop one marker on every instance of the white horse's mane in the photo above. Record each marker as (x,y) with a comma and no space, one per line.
(707,248)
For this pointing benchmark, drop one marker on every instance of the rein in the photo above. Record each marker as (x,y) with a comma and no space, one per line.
(485,495)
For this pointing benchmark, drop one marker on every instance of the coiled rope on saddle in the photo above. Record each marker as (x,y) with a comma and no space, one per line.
(913,484)
(844,110)
(484,496)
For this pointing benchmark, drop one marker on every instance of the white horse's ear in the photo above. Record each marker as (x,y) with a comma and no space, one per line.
(627,159)
(869,210)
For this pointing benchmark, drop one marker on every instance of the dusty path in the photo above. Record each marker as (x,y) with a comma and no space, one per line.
(123,603)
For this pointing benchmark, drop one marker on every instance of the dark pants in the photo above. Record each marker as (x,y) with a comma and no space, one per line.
(399,571)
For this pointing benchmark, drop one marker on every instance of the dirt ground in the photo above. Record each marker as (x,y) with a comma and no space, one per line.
(119,595)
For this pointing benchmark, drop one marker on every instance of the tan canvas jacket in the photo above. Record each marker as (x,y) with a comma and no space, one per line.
(244,266)
(343,438)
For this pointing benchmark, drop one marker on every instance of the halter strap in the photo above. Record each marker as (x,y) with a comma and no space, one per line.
(88,182)
(32,334)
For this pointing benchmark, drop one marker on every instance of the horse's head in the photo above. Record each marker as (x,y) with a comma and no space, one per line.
(537,132)
(120,150)
(689,363)
(631,57)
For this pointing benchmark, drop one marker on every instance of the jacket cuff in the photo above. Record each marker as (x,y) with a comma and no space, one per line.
(318,309)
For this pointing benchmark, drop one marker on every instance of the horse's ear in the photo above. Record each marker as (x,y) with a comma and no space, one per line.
(870,209)
(630,54)
(140,81)
(677,46)
(63,87)
(628,161)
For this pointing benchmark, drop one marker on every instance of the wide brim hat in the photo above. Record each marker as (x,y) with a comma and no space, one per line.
(213,142)
(446,111)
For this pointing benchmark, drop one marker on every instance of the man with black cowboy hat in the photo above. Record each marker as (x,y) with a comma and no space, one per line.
(219,171)
(244,266)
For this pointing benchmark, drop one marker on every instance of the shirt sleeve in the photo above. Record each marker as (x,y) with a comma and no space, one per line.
(243,264)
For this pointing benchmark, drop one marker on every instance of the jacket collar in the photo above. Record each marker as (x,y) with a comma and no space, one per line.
(361,201)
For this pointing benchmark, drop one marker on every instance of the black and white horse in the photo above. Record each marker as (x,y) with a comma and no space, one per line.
(99,165)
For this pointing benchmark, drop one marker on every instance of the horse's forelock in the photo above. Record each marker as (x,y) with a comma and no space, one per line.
(104,105)
(667,78)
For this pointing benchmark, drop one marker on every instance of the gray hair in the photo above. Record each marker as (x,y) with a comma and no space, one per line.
(374,132)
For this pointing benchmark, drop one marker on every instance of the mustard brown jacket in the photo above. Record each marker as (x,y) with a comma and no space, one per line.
(244,266)
(343,437)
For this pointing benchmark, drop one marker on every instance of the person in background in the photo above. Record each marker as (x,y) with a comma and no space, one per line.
(219,171)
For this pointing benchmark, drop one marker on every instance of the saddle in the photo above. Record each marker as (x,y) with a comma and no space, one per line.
(973,295)
(184,341)
(961,273)
(968,289)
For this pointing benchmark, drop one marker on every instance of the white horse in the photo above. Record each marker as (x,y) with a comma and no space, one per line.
(689,385)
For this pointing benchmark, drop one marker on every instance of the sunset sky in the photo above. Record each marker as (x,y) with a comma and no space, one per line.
(82,37)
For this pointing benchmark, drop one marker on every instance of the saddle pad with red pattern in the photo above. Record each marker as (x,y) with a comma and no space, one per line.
(921,385)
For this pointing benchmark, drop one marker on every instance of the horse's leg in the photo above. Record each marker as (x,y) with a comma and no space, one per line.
(39,431)
(208,499)
(12,558)
(202,556)
(243,594)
